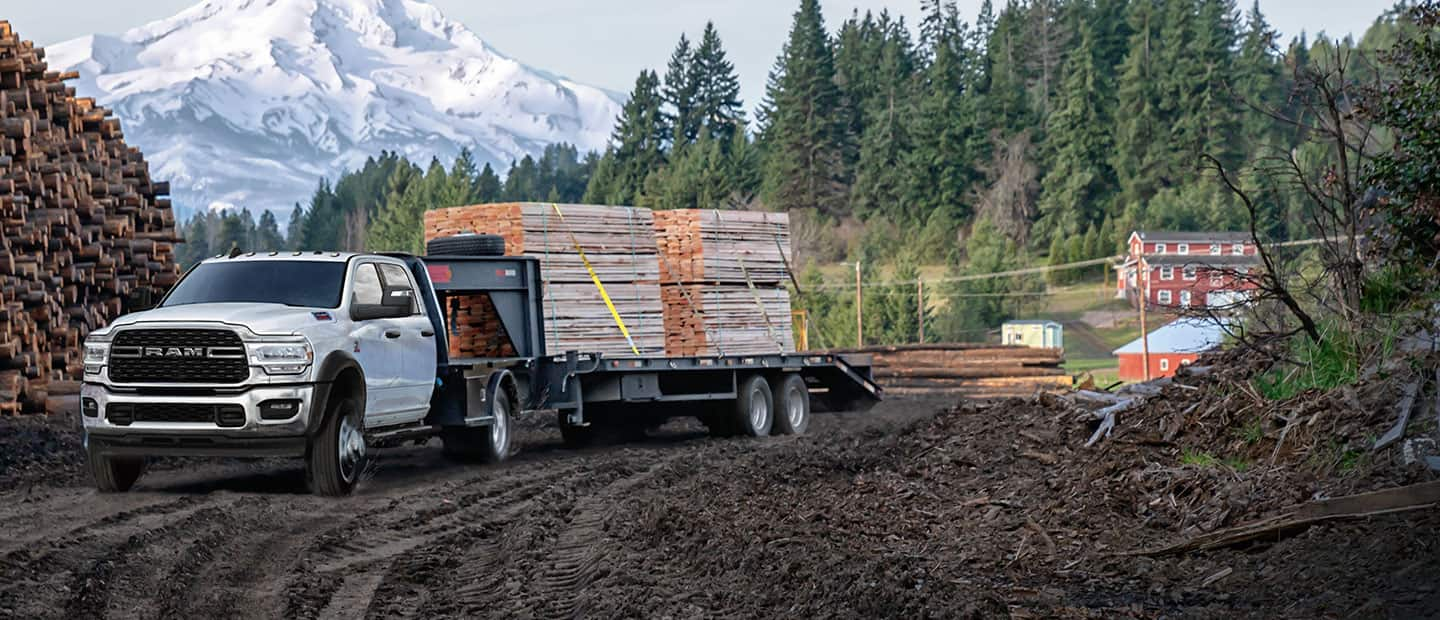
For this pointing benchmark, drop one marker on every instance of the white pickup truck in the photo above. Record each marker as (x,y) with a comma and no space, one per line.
(324,355)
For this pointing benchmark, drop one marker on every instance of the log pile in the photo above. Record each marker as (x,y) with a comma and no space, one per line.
(969,370)
(619,244)
(84,226)
(722,276)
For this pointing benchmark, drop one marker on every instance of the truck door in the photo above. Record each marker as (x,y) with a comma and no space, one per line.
(416,345)
(378,355)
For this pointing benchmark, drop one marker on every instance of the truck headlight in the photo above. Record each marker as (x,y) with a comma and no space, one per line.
(96,354)
(291,358)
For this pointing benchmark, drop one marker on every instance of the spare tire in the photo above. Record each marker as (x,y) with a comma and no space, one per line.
(469,244)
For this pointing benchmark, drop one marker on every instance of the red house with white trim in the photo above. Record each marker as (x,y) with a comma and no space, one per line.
(1187,269)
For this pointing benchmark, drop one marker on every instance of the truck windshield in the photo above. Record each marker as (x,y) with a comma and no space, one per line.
(309,284)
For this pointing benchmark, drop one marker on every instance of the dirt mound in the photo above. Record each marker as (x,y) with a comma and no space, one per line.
(38,450)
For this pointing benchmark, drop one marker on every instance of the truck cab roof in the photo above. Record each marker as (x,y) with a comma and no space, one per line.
(338,257)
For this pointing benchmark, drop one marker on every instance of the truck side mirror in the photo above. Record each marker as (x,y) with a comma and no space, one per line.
(395,302)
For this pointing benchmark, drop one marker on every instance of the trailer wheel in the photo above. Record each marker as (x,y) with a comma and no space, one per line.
(754,411)
(792,405)
(485,444)
(115,474)
(337,455)
(469,244)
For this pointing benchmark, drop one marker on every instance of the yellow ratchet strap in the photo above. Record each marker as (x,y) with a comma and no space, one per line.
(619,322)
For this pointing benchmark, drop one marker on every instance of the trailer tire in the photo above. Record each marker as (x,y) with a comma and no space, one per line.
(336,456)
(115,474)
(754,411)
(468,244)
(484,444)
(792,405)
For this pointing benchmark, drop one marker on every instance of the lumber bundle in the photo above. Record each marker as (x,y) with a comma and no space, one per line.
(475,328)
(84,226)
(723,276)
(619,244)
(973,371)
(725,320)
(707,245)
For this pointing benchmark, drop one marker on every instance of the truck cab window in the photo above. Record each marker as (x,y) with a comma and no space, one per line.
(366,285)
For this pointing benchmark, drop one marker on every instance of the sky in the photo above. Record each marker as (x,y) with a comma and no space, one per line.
(607,43)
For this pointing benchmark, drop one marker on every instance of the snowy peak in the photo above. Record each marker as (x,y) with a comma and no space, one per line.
(250,102)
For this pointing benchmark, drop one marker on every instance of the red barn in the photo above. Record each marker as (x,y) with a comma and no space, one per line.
(1187,269)
(1173,345)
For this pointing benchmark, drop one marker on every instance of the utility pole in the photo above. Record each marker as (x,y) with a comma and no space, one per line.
(859,310)
(1144,301)
(920,306)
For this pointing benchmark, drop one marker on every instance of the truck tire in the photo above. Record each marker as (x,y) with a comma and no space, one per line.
(754,411)
(469,244)
(115,474)
(483,444)
(792,405)
(337,454)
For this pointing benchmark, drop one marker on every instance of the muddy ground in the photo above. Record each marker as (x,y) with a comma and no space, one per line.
(916,509)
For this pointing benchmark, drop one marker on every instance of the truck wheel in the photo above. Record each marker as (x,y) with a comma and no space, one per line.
(792,405)
(337,455)
(485,444)
(754,410)
(470,244)
(573,435)
(115,474)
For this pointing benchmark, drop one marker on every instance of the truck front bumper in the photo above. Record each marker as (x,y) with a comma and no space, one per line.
(150,426)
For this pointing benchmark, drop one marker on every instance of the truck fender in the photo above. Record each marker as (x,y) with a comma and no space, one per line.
(338,370)
(502,380)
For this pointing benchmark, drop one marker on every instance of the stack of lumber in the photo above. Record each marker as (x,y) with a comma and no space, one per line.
(83,223)
(722,276)
(969,370)
(619,244)
(475,328)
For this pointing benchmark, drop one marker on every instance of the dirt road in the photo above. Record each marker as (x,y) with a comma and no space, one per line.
(679,525)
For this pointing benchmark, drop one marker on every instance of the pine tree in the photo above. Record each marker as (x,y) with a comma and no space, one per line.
(267,234)
(881,173)
(1258,78)
(294,230)
(1076,190)
(1214,111)
(717,89)
(679,92)
(1139,146)
(637,142)
(941,163)
(1005,57)
(804,147)
(459,183)
(487,185)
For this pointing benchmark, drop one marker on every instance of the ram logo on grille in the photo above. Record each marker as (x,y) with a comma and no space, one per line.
(184,352)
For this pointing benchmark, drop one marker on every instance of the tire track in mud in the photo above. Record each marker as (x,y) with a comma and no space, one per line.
(579,549)
(345,565)
(94,580)
(461,574)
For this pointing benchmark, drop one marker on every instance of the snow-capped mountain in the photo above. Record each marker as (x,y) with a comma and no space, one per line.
(251,102)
